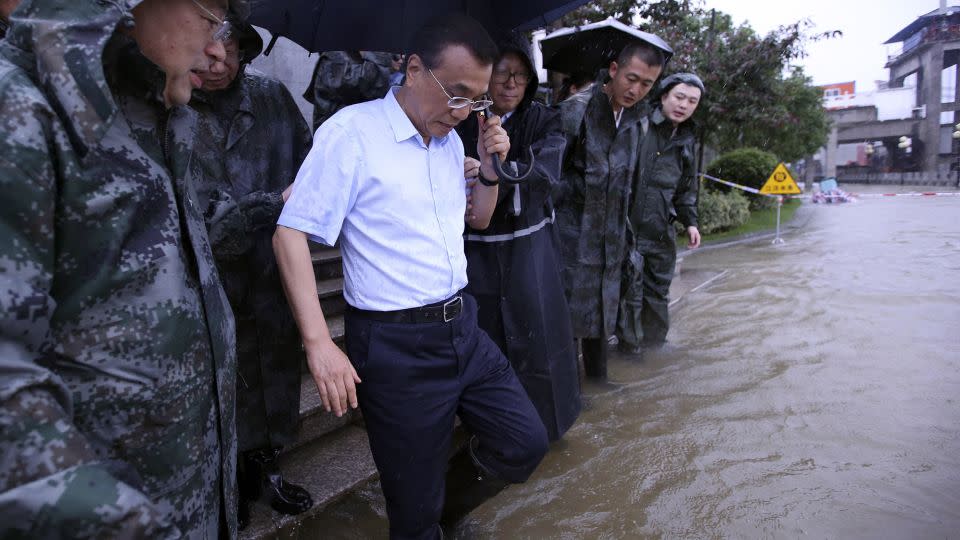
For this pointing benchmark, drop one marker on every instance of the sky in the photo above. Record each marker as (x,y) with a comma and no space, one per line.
(857,56)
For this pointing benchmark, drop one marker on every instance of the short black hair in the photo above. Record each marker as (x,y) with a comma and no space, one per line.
(431,39)
(646,52)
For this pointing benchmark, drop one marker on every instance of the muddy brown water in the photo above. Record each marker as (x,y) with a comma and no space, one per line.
(812,391)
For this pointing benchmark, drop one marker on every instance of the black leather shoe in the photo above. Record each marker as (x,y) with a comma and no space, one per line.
(284,497)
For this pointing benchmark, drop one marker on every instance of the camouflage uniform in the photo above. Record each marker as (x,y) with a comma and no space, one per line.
(117,368)
(592,204)
(344,78)
(251,141)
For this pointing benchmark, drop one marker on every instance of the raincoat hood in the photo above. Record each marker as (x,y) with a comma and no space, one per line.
(667,83)
(249,40)
(518,44)
(60,43)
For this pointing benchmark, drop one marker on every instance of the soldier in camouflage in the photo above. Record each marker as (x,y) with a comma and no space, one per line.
(344,78)
(602,127)
(251,141)
(117,361)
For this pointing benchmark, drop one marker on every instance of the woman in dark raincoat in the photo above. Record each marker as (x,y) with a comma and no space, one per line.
(665,190)
(513,266)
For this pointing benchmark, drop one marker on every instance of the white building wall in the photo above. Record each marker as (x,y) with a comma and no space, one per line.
(891,104)
(895,103)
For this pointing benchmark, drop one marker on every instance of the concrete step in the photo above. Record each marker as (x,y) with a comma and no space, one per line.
(327,262)
(335,326)
(331,296)
(328,468)
(315,422)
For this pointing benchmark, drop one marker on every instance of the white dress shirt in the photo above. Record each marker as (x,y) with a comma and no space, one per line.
(396,203)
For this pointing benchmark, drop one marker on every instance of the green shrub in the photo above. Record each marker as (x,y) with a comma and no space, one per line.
(747,166)
(719,211)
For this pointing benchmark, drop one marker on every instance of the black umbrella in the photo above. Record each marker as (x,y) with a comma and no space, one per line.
(588,48)
(376,25)
(332,25)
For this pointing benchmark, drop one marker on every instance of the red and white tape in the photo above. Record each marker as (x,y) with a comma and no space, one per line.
(742,187)
(909,194)
(857,195)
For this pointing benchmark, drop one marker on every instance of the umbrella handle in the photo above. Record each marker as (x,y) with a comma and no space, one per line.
(509,178)
(498,167)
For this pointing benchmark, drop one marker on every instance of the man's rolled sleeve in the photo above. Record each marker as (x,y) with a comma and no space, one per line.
(326,186)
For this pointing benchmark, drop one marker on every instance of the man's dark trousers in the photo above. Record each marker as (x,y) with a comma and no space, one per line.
(416,379)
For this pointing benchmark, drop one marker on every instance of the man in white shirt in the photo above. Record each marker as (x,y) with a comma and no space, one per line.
(387,178)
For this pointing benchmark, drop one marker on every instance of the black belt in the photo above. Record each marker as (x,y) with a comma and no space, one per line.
(443,311)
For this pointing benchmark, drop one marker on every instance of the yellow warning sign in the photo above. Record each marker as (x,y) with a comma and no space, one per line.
(780,183)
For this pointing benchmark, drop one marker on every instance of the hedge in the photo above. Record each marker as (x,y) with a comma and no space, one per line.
(748,166)
(719,211)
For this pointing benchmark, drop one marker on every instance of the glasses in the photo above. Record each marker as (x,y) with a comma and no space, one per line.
(224,28)
(461,102)
(521,78)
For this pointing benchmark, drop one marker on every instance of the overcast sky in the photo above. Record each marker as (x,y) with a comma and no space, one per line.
(857,56)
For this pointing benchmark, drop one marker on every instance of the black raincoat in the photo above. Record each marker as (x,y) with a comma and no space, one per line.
(665,190)
(252,139)
(343,78)
(514,266)
(593,205)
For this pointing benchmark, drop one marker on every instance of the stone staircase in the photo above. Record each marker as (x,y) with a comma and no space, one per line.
(331,456)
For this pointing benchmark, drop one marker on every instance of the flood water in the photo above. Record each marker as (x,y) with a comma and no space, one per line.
(813,390)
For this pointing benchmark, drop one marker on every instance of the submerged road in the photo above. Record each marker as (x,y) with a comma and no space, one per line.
(813,390)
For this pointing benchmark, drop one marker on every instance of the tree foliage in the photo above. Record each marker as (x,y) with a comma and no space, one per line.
(750,167)
(754,97)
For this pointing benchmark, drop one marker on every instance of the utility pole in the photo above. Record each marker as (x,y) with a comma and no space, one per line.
(703,129)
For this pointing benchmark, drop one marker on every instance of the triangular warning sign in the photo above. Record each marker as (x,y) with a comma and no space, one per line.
(780,183)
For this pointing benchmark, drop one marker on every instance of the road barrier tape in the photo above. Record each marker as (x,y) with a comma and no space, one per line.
(910,194)
(857,195)
(749,189)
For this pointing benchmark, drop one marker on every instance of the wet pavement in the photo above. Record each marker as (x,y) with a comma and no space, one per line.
(812,390)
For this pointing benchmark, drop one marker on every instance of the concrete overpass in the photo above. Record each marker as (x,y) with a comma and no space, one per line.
(875,130)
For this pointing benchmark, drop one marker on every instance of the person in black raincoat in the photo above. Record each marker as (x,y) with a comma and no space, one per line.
(343,78)
(665,190)
(602,128)
(252,139)
(513,266)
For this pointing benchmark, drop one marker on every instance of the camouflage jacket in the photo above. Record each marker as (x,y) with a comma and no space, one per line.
(117,363)
(344,78)
(666,187)
(251,141)
(592,204)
